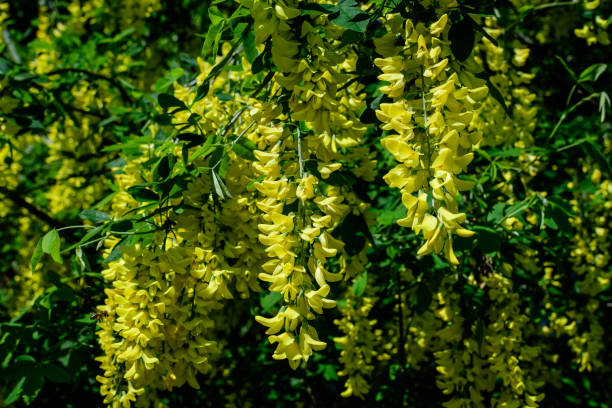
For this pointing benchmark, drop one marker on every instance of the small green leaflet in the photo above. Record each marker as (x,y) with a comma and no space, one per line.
(95,216)
(360,284)
(249,46)
(51,245)
(461,35)
(220,188)
(168,101)
(15,393)
(213,36)
(592,73)
(205,149)
(202,90)
(489,240)
(54,373)
(244,148)
(350,16)
(36,256)
(142,194)
(163,84)
(268,301)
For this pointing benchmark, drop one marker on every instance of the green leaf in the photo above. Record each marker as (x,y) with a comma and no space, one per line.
(503,153)
(94,216)
(219,161)
(595,152)
(54,373)
(360,284)
(36,256)
(215,15)
(496,213)
(263,60)
(82,259)
(244,148)
(15,393)
(481,30)
(341,178)
(461,35)
(488,240)
(119,37)
(168,101)
(249,46)
(351,37)
(268,301)
(212,37)
(561,219)
(202,91)
(592,73)
(219,186)
(204,150)
(353,231)
(329,372)
(115,254)
(314,8)
(423,298)
(122,226)
(142,194)
(497,95)
(194,139)
(604,100)
(223,97)
(567,68)
(117,163)
(163,119)
(163,84)
(163,168)
(394,369)
(350,16)
(32,386)
(51,245)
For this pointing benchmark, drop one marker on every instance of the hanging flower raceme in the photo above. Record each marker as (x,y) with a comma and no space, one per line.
(296,220)
(434,99)
(301,204)
(162,307)
(360,343)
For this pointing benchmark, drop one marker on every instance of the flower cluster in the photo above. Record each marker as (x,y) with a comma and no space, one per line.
(434,98)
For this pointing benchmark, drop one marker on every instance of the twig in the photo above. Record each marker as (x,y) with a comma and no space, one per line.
(237,115)
(11,46)
(113,82)
(20,201)
(428,154)
(299,143)
(402,334)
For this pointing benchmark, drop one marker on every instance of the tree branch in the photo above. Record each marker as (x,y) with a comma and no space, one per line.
(41,215)
(111,81)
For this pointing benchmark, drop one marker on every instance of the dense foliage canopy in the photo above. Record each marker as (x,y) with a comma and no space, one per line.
(305,203)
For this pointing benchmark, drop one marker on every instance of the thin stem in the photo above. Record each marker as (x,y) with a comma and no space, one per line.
(557,4)
(428,152)
(111,81)
(20,201)
(74,227)
(84,244)
(239,113)
(402,341)
(232,121)
(299,146)
(6,35)
(568,111)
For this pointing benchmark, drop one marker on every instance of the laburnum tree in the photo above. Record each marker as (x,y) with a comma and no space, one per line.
(305,203)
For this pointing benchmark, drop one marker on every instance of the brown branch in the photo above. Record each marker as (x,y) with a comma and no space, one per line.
(41,215)
(402,333)
(112,81)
